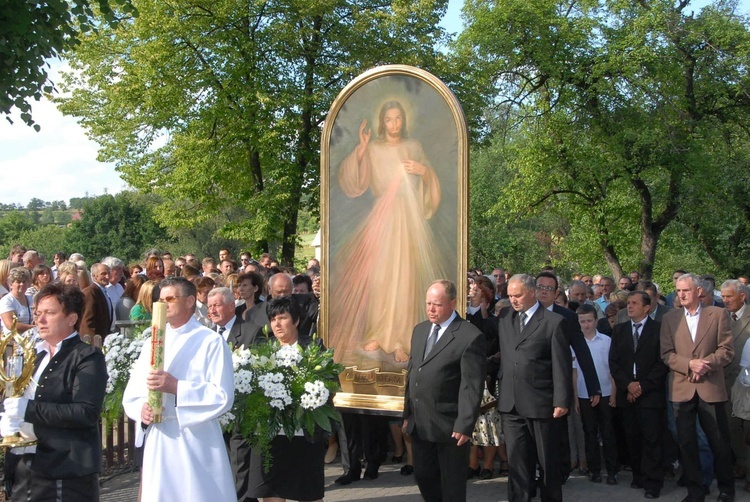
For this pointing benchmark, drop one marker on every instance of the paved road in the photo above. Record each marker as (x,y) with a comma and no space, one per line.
(392,487)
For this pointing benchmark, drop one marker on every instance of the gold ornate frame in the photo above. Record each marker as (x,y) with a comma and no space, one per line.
(377,385)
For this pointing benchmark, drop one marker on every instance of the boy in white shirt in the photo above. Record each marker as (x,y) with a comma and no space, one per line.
(596,415)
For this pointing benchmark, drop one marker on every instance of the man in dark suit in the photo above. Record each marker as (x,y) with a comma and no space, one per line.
(735,295)
(64,410)
(640,377)
(546,288)
(443,393)
(696,344)
(235,331)
(97,309)
(535,389)
(220,306)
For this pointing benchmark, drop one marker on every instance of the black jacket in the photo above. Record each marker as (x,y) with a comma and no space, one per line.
(650,370)
(65,411)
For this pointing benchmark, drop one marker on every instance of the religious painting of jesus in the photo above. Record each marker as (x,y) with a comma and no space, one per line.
(394,194)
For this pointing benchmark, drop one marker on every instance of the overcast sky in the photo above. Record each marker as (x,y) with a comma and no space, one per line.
(59,162)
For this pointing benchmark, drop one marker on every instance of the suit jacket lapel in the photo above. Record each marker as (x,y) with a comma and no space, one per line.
(531,325)
(740,326)
(420,339)
(646,332)
(444,340)
(235,333)
(704,322)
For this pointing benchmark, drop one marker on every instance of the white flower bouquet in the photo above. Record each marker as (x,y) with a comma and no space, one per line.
(281,390)
(120,353)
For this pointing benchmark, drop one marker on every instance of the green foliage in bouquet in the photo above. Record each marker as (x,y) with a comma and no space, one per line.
(282,389)
(120,352)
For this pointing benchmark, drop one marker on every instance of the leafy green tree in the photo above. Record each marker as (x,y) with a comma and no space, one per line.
(219,104)
(12,225)
(496,240)
(121,225)
(46,239)
(33,32)
(619,107)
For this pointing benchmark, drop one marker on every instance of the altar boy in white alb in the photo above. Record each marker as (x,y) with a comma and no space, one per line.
(184,457)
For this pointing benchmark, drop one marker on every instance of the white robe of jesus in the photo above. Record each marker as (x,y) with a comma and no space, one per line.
(184,457)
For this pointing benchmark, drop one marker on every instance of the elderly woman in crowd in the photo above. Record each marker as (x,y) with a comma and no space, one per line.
(129,297)
(17,302)
(143,308)
(41,276)
(63,413)
(297,469)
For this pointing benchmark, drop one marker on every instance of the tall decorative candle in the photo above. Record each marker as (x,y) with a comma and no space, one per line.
(158,327)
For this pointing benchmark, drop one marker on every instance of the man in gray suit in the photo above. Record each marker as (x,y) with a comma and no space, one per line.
(535,388)
(734,294)
(443,393)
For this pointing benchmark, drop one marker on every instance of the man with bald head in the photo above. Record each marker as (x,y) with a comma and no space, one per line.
(444,385)
(280,286)
(535,388)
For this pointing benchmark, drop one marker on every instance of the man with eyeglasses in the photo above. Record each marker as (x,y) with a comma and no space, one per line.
(546,288)
(244,260)
(184,457)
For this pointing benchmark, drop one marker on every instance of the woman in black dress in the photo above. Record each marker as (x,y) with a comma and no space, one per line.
(297,469)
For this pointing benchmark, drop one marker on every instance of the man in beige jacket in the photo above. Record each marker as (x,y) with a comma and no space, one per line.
(696,344)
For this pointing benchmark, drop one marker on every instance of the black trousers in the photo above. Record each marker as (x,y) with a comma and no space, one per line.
(440,469)
(562,432)
(366,435)
(30,485)
(713,420)
(239,452)
(597,420)
(645,429)
(529,440)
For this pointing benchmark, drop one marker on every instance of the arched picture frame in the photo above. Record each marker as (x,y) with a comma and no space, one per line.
(394,199)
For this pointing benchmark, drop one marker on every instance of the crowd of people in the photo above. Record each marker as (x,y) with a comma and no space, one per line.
(657,382)
(593,376)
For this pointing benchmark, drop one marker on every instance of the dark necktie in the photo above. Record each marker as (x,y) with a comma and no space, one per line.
(636,328)
(522,321)
(431,341)
(734,316)
(221,330)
